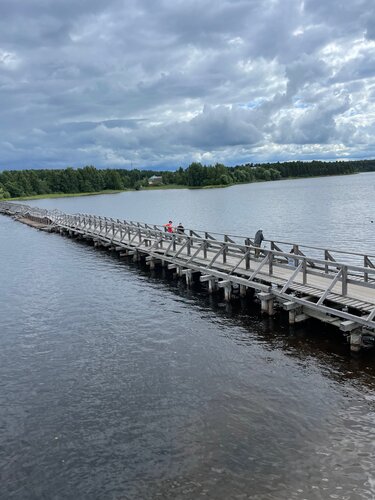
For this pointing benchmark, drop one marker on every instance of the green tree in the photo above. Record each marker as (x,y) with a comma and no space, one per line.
(3,192)
(195,175)
(225,179)
(114,180)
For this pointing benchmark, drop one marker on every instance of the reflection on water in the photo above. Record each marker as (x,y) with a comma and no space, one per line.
(115,383)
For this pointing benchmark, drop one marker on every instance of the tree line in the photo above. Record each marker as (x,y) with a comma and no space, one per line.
(20,183)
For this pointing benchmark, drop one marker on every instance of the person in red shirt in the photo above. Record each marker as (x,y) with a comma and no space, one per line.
(169,227)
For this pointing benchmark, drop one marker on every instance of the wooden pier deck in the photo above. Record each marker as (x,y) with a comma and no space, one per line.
(337,287)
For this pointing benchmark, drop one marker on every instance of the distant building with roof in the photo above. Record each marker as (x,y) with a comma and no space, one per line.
(155,180)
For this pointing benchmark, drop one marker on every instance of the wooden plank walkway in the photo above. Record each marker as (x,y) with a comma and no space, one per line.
(334,291)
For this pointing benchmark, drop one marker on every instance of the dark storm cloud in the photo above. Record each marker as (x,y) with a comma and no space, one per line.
(164,83)
(315,125)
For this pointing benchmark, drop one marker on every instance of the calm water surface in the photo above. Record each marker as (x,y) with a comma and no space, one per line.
(332,211)
(118,384)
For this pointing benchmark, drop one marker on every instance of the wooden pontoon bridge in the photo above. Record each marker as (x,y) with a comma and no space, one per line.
(334,286)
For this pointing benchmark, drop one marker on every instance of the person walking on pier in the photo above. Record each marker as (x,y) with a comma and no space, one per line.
(258,241)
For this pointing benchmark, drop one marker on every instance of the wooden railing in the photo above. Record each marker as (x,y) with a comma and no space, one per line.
(227,259)
(286,251)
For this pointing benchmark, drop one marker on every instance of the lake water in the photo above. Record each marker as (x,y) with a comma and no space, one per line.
(323,211)
(116,383)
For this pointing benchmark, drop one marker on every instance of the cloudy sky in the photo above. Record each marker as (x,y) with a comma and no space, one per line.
(162,83)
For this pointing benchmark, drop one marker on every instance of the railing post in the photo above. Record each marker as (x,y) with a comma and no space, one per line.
(344,277)
(270,263)
(205,249)
(224,253)
(296,252)
(188,246)
(365,263)
(247,258)
(326,257)
(304,271)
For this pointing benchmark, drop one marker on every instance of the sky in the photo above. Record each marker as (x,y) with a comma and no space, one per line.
(163,83)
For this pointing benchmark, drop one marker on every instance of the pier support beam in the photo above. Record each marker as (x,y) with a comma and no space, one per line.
(178,269)
(212,285)
(189,277)
(293,308)
(151,262)
(212,282)
(227,286)
(356,341)
(292,316)
(136,257)
(266,300)
(243,290)
(227,293)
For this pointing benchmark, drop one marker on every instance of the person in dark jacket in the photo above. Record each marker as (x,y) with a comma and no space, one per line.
(180,228)
(258,241)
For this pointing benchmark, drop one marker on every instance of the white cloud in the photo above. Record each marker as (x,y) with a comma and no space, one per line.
(8,60)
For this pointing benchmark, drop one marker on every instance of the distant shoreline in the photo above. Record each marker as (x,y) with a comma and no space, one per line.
(65,195)
(161,187)
(88,181)
(117,191)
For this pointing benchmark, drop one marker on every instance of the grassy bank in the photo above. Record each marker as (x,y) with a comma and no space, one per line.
(113,191)
(64,195)
(185,186)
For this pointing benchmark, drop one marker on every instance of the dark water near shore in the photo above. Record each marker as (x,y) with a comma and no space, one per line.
(118,384)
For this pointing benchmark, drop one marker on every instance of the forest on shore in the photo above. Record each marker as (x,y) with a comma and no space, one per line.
(23,183)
